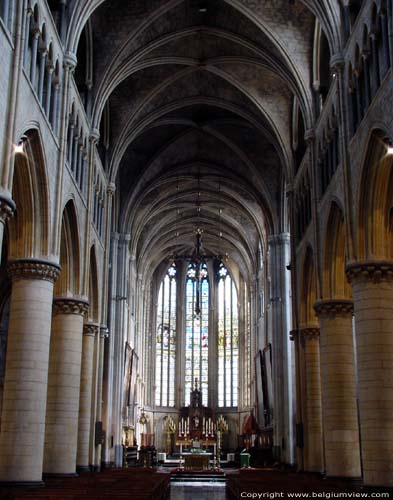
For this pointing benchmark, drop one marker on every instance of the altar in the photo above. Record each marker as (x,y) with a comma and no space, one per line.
(198,433)
(197,460)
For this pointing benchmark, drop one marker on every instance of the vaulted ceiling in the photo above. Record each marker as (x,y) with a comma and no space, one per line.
(198,98)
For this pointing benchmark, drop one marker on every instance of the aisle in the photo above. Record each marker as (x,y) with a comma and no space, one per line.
(198,491)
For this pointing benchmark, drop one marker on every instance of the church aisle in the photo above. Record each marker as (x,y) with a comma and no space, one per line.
(198,491)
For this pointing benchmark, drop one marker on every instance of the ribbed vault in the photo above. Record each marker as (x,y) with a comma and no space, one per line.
(195,99)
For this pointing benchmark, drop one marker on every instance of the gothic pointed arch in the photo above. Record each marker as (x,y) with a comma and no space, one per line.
(29,228)
(93,314)
(307,292)
(376,200)
(335,284)
(69,282)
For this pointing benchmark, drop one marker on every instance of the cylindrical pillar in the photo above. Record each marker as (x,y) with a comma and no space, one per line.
(313,442)
(25,388)
(338,378)
(61,431)
(82,459)
(372,287)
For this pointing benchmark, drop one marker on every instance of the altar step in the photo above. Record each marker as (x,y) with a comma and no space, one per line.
(198,477)
(173,463)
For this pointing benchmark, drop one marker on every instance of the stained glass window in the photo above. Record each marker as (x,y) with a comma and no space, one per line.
(197,325)
(166,340)
(228,340)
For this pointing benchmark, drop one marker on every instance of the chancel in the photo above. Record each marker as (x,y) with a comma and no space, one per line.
(196,234)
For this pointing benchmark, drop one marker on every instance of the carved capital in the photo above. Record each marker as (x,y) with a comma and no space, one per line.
(111,188)
(90,329)
(94,135)
(33,269)
(366,271)
(337,61)
(309,135)
(104,331)
(70,61)
(68,305)
(310,333)
(333,308)
(7,208)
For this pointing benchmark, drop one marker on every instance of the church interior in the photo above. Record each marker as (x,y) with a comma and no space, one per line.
(196,233)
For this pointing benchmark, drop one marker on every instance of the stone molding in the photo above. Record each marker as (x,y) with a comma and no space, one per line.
(90,329)
(331,308)
(33,269)
(69,305)
(7,208)
(366,271)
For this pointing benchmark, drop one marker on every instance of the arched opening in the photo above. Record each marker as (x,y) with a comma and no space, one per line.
(375,199)
(93,315)
(84,70)
(335,282)
(29,228)
(307,313)
(68,283)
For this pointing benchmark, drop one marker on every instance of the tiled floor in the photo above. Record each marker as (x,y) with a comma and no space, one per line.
(198,491)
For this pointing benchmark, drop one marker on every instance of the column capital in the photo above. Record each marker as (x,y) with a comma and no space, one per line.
(30,269)
(70,305)
(333,307)
(111,188)
(90,329)
(7,208)
(366,271)
(309,135)
(279,239)
(337,61)
(310,332)
(70,61)
(104,332)
(94,135)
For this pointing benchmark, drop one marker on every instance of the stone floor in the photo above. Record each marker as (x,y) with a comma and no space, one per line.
(197,491)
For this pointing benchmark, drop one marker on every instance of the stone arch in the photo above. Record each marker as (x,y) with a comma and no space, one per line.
(335,284)
(93,315)
(69,282)
(307,293)
(376,200)
(29,228)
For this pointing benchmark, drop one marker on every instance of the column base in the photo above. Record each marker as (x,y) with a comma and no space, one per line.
(50,475)
(82,468)
(107,465)
(22,484)
(95,468)
(355,481)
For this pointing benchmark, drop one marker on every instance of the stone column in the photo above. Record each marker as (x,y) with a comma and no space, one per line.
(338,377)
(313,456)
(283,355)
(34,55)
(372,286)
(24,398)
(61,431)
(82,459)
